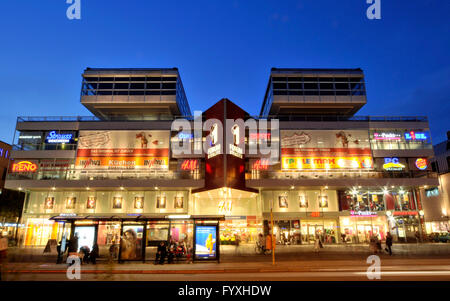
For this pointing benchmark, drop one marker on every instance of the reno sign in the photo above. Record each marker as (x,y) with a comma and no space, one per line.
(24,166)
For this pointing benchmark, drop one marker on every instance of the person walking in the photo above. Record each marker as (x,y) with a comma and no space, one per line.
(317,244)
(262,243)
(388,248)
(94,254)
(161,253)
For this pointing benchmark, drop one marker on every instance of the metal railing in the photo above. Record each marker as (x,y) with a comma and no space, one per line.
(323,175)
(280,117)
(75,174)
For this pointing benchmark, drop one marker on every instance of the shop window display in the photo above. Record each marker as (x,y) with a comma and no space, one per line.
(361,229)
(240,231)
(325,230)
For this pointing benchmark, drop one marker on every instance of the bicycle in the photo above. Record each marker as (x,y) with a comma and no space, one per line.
(259,249)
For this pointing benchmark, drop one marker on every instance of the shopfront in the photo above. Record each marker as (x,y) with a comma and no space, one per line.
(127,238)
(404,225)
(359,227)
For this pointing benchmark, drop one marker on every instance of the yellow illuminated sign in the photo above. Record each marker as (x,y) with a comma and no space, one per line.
(299,163)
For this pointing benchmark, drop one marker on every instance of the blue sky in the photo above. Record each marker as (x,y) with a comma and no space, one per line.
(225,49)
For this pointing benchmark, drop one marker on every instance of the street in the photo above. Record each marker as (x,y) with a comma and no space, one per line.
(320,268)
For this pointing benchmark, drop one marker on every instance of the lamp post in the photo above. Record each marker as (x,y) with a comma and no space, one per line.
(271,233)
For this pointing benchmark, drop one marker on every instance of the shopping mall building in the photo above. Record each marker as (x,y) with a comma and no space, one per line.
(120,174)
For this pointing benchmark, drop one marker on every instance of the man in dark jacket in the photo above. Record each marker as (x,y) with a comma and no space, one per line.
(389,243)
(161,253)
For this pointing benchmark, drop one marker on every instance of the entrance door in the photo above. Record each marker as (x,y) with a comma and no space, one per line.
(86,236)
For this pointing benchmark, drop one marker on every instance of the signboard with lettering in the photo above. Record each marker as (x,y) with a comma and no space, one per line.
(123,150)
(317,149)
(393,164)
(24,166)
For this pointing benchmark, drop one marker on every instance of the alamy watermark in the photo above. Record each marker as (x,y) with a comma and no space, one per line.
(374,10)
(74,10)
(265,138)
(374,270)
(74,269)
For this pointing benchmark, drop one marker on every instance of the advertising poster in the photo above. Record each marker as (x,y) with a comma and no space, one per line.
(303,150)
(117,202)
(131,242)
(49,202)
(205,242)
(283,201)
(139,202)
(178,202)
(161,201)
(123,150)
(70,202)
(91,202)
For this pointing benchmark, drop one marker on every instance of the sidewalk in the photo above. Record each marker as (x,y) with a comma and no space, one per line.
(246,253)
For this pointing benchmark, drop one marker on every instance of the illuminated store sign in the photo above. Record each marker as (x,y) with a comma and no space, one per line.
(392,164)
(403,213)
(225,206)
(386,136)
(261,164)
(214,151)
(24,166)
(259,136)
(363,213)
(235,150)
(421,163)
(416,136)
(327,163)
(4,153)
(53,137)
(432,192)
(182,135)
(189,164)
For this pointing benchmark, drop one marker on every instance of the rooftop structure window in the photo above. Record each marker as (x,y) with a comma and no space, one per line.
(138,79)
(153,79)
(105,85)
(153,85)
(279,86)
(169,79)
(310,79)
(169,85)
(121,86)
(106,79)
(122,79)
(137,86)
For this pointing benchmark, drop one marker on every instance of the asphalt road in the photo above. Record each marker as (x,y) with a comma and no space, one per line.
(392,269)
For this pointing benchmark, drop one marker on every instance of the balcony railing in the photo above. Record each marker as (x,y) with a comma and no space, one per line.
(338,175)
(280,117)
(74,175)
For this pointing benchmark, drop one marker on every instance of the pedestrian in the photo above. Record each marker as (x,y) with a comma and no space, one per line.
(94,254)
(317,244)
(262,243)
(161,253)
(3,254)
(172,250)
(388,248)
(417,235)
(343,235)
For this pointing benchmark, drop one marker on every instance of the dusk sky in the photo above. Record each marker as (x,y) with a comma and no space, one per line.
(226,49)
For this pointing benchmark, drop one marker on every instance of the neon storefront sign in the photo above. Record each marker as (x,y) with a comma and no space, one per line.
(421,163)
(53,137)
(190,164)
(363,213)
(386,136)
(24,166)
(182,135)
(416,136)
(393,164)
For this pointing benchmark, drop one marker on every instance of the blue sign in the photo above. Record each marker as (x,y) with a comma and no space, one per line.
(182,135)
(53,137)
(205,242)
(416,136)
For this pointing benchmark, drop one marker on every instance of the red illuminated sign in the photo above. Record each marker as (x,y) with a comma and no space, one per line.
(260,136)
(315,214)
(403,213)
(261,164)
(24,166)
(189,164)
